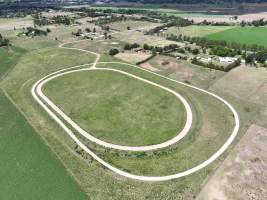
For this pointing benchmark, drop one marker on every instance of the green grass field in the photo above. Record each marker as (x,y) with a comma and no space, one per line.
(9,57)
(205,137)
(117,108)
(28,169)
(197,30)
(244,35)
(211,125)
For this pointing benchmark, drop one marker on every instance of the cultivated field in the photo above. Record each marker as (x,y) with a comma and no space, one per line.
(244,35)
(28,169)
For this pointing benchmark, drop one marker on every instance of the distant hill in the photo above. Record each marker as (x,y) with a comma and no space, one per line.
(208,3)
(196,1)
(138,1)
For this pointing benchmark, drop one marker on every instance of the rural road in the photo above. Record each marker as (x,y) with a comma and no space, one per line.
(51,108)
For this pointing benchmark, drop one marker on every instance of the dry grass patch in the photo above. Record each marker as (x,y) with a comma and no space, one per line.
(197,31)
(18,23)
(185,71)
(247,83)
(140,38)
(133,57)
(242,174)
(122,26)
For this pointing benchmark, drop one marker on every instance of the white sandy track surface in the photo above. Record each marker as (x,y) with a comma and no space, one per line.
(48,106)
(172,141)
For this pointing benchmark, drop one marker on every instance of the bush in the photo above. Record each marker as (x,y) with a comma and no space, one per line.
(113,52)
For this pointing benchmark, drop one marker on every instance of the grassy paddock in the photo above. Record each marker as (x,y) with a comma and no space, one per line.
(28,170)
(244,35)
(94,179)
(9,57)
(122,26)
(197,31)
(205,137)
(117,108)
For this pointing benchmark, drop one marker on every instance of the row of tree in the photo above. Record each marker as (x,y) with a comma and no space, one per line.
(40,20)
(207,43)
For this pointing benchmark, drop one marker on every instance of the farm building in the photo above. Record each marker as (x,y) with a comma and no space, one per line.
(227,59)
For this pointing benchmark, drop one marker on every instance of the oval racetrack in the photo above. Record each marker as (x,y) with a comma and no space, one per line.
(55,112)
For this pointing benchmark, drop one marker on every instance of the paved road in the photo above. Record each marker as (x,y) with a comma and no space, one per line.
(50,108)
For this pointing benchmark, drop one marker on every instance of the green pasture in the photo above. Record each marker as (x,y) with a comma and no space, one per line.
(28,169)
(244,35)
(117,108)
(197,30)
(8,58)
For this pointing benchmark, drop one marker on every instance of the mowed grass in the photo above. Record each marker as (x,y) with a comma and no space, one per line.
(244,35)
(8,58)
(28,170)
(117,108)
(197,31)
(212,125)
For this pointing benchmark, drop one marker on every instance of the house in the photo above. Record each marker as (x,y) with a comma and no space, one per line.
(205,60)
(227,59)
(138,50)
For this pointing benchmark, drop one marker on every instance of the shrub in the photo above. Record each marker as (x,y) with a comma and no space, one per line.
(113,52)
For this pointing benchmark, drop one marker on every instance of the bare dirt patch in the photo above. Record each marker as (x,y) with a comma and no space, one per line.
(243,175)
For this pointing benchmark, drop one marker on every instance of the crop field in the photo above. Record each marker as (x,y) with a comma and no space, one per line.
(27,165)
(244,35)
(197,31)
